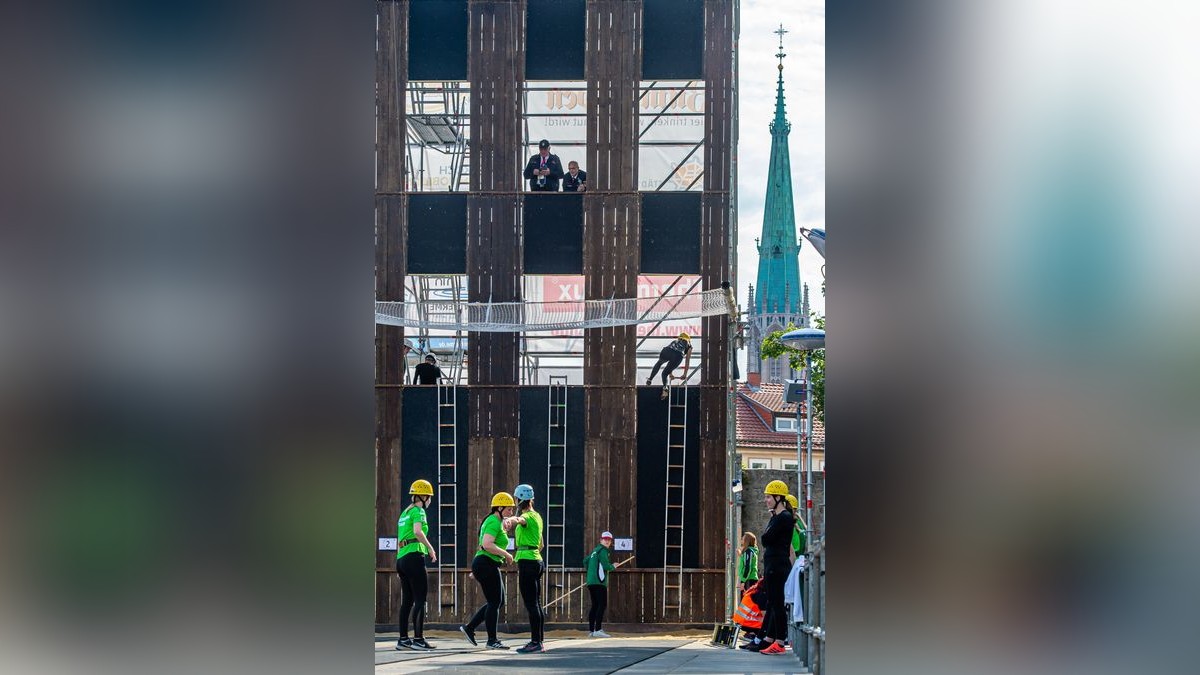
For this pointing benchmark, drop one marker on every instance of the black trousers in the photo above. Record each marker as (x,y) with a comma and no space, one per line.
(414,587)
(599,604)
(671,359)
(775,574)
(487,573)
(529,576)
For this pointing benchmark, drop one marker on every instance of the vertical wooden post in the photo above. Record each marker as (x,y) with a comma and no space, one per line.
(391,68)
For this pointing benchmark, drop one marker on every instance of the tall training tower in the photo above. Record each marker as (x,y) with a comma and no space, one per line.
(778,298)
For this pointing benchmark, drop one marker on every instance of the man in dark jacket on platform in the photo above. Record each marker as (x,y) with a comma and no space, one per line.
(544,170)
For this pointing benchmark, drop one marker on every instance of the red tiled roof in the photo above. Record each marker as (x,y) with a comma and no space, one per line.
(754,419)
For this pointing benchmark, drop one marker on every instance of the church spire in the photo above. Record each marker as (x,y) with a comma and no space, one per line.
(778,288)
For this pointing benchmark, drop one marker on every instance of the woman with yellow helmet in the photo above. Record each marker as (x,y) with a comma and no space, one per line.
(799,533)
(412,545)
(777,548)
(493,540)
(670,356)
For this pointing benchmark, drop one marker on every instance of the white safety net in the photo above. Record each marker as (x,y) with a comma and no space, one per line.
(518,317)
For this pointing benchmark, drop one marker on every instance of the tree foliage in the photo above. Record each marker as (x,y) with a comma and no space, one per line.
(772,347)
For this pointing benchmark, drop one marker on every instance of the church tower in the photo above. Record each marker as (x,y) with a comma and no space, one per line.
(778,298)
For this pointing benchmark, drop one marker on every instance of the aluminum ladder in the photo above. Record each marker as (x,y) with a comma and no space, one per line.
(447,495)
(556,482)
(675,491)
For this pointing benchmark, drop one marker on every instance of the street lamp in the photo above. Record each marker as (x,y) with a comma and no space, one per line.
(811,648)
(816,237)
(807,339)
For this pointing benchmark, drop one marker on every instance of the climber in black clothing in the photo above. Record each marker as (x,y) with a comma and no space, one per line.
(777,548)
(428,372)
(670,356)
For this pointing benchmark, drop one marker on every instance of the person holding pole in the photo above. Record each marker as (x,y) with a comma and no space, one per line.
(530,566)
(598,566)
(777,549)
(412,545)
(486,569)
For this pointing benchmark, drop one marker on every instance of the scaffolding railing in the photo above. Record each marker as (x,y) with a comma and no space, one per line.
(810,645)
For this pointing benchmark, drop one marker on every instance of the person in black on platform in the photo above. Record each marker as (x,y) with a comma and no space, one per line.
(575,180)
(544,170)
(428,372)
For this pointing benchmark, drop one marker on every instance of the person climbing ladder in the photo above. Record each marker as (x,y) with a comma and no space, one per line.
(669,358)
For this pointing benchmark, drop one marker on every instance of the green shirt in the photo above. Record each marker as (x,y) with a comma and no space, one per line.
(748,565)
(598,566)
(799,537)
(529,535)
(494,526)
(406,541)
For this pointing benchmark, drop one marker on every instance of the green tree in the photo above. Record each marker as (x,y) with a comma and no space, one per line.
(772,347)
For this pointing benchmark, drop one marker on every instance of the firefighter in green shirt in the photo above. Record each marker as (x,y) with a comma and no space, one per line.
(598,566)
(412,545)
(486,568)
(530,566)
(748,562)
(800,534)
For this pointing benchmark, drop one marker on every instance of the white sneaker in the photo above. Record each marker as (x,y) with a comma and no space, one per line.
(600,634)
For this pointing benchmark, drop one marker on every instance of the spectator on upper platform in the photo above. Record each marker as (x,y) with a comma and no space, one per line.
(575,180)
(544,170)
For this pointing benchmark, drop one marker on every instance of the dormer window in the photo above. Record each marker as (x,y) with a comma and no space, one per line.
(787,424)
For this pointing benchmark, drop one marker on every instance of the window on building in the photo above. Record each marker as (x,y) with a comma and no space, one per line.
(790,465)
(760,464)
(785,424)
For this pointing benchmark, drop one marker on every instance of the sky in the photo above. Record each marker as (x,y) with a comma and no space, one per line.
(804,98)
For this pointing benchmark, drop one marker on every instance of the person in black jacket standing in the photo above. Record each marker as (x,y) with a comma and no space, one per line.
(544,170)
(428,372)
(776,543)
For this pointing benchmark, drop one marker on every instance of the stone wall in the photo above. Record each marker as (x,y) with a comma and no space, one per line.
(754,514)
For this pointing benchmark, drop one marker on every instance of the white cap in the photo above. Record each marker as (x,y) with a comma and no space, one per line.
(606,535)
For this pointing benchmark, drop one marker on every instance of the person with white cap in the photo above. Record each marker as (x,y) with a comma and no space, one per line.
(598,566)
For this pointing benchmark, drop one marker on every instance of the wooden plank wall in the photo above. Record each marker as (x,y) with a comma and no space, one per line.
(496,65)
(715,268)
(391,68)
(611,261)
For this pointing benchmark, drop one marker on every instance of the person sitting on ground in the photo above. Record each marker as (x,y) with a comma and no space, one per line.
(544,170)
(575,180)
(670,356)
(598,566)
(428,372)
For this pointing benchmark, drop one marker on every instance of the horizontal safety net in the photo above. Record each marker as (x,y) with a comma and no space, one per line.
(521,317)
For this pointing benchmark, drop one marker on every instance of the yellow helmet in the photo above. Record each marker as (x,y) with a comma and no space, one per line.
(503,499)
(776,487)
(685,337)
(421,487)
(793,502)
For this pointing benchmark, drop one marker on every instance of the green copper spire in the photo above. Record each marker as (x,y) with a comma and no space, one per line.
(778,289)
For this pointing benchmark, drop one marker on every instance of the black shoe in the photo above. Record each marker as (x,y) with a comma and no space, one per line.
(419,644)
(758,646)
(496,644)
(532,648)
(470,635)
(748,645)
(403,644)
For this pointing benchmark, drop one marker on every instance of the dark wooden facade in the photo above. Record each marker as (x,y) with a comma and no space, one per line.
(611,264)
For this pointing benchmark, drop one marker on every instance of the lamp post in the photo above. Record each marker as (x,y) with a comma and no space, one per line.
(807,339)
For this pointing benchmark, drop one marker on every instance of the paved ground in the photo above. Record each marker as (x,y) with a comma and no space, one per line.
(567,652)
